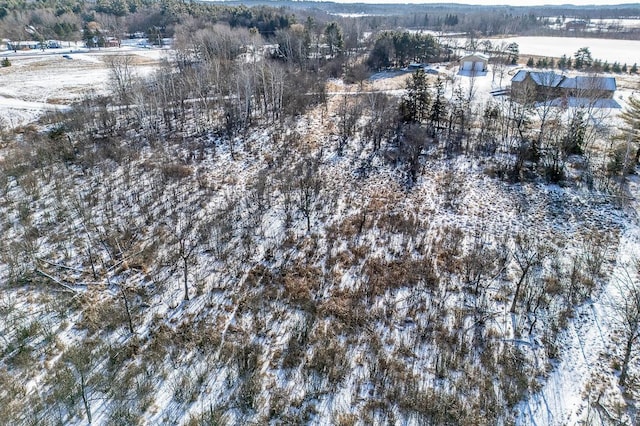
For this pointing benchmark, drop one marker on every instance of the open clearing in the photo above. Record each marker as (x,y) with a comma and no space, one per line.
(39,81)
(622,51)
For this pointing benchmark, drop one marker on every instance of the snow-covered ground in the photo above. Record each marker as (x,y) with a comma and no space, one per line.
(598,24)
(42,81)
(39,81)
(622,22)
(621,51)
(587,347)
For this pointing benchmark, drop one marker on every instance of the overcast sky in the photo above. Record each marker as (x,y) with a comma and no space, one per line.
(503,2)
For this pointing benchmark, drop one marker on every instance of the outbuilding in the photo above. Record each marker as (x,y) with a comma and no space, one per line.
(476,62)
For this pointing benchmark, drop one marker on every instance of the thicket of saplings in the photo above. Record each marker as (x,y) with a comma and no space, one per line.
(206,189)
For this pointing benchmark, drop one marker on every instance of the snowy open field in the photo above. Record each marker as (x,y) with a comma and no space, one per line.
(39,81)
(622,51)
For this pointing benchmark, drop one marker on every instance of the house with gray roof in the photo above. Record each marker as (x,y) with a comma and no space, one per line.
(543,86)
(589,87)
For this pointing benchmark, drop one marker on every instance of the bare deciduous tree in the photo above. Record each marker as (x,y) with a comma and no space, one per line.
(349,112)
(626,305)
(383,116)
(307,188)
(527,253)
(78,368)
(186,237)
(122,77)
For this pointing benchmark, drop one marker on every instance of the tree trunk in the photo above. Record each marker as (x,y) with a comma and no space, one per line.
(85,400)
(186,284)
(93,266)
(517,293)
(625,363)
(126,307)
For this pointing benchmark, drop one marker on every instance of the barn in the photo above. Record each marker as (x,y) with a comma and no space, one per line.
(474,62)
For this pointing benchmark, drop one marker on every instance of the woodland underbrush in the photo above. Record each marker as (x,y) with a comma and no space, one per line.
(159,270)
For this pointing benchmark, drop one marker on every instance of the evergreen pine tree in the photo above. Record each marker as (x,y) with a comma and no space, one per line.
(414,106)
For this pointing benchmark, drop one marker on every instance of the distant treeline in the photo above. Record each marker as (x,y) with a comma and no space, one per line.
(63,19)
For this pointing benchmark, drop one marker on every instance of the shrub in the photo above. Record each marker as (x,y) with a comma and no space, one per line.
(175,171)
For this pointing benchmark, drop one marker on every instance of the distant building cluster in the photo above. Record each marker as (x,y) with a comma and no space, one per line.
(32,45)
(576,25)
